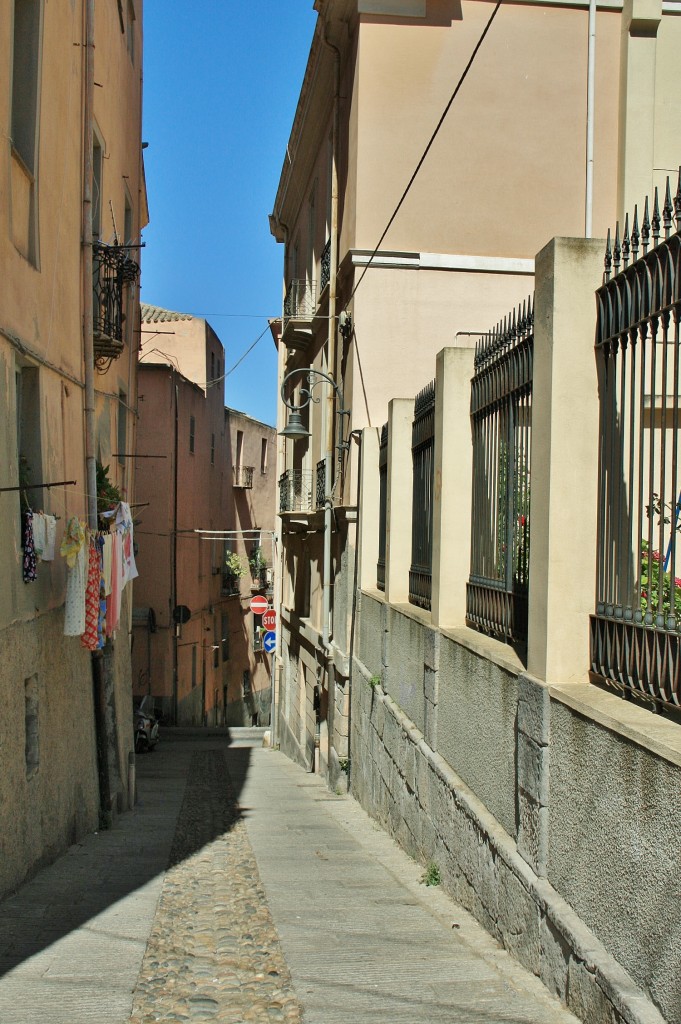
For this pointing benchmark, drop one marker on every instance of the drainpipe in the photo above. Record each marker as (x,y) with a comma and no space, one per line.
(590,88)
(88,338)
(173,599)
(96,659)
(327,630)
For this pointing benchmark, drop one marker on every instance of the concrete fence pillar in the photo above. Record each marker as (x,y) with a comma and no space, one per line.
(399,501)
(453,486)
(369,510)
(564,460)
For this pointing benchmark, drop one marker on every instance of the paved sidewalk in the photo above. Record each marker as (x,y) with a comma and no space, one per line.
(297,907)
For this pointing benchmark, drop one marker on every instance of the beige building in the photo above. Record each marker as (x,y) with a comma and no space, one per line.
(205,478)
(455,674)
(70,219)
(506,172)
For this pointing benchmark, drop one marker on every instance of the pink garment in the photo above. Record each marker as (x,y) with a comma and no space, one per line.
(113,603)
(90,638)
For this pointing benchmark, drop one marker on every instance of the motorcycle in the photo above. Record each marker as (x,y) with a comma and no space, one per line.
(146,726)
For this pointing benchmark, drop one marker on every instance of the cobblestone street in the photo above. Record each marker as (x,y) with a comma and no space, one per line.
(240,890)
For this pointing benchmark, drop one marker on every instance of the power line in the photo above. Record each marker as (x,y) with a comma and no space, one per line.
(248,350)
(428,147)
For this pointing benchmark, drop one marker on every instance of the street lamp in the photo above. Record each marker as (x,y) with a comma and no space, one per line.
(295,429)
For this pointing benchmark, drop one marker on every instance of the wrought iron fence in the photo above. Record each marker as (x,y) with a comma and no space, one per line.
(295,491)
(320,484)
(300,300)
(325,275)
(501,415)
(382,506)
(637,626)
(243,476)
(112,272)
(422,452)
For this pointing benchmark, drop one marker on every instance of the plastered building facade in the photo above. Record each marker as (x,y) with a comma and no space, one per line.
(71,170)
(206,479)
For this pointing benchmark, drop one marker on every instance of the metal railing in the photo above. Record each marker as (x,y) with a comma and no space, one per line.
(325,266)
(321,484)
(422,452)
(382,506)
(636,630)
(501,417)
(300,301)
(243,476)
(231,584)
(295,491)
(112,272)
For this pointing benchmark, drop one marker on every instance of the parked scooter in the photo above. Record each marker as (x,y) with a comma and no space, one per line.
(146,726)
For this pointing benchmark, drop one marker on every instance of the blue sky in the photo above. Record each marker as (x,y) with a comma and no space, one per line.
(221,82)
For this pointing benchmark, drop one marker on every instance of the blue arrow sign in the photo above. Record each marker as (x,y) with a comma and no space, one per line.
(269,641)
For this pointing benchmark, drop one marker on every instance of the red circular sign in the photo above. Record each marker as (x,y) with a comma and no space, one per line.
(259,605)
(269,619)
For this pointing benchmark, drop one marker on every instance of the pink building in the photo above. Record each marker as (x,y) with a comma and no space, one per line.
(207,474)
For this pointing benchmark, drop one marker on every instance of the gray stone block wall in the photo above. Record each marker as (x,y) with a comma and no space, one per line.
(615,822)
(476,727)
(403,664)
(415,794)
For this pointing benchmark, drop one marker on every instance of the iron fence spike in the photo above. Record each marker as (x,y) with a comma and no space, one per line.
(667,210)
(607,262)
(655,220)
(677,203)
(645,228)
(635,234)
(625,241)
(617,251)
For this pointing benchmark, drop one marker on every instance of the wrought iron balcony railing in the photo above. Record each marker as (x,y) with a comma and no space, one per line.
(112,272)
(321,483)
(295,491)
(325,275)
(231,584)
(300,301)
(243,476)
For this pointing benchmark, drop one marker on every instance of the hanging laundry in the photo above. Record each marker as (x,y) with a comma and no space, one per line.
(27,543)
(113,604)
(90,638)
(74,538)
(50,538)
(76,577)
(101,616)
(124,523)
(107,555)
(39,533)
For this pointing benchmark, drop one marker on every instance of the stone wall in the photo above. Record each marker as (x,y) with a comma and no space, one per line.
(49,794)
(555,832)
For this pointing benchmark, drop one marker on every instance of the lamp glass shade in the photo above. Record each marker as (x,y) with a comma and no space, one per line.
(295,428)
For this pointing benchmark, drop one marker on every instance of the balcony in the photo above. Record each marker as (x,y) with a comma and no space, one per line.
(231,584)
(112,272)
(295,491)
(243,477)
(325,275)
(299,310)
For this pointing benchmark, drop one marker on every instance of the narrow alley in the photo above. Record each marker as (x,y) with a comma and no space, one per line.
(241,889)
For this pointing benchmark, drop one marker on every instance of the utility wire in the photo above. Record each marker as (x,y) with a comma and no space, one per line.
(427,149)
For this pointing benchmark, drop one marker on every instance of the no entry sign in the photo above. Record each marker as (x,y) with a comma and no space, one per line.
(259,605)
(269,619)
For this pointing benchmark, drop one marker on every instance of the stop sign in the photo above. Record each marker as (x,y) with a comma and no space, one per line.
(269,619)
(259,604)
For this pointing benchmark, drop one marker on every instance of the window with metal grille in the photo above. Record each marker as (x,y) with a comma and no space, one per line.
(422,451)
(501,418)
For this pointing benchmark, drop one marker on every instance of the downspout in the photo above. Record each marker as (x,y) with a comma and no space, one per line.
(88,319)
(590,89)
(327,630)
(173,599)
(96,659)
